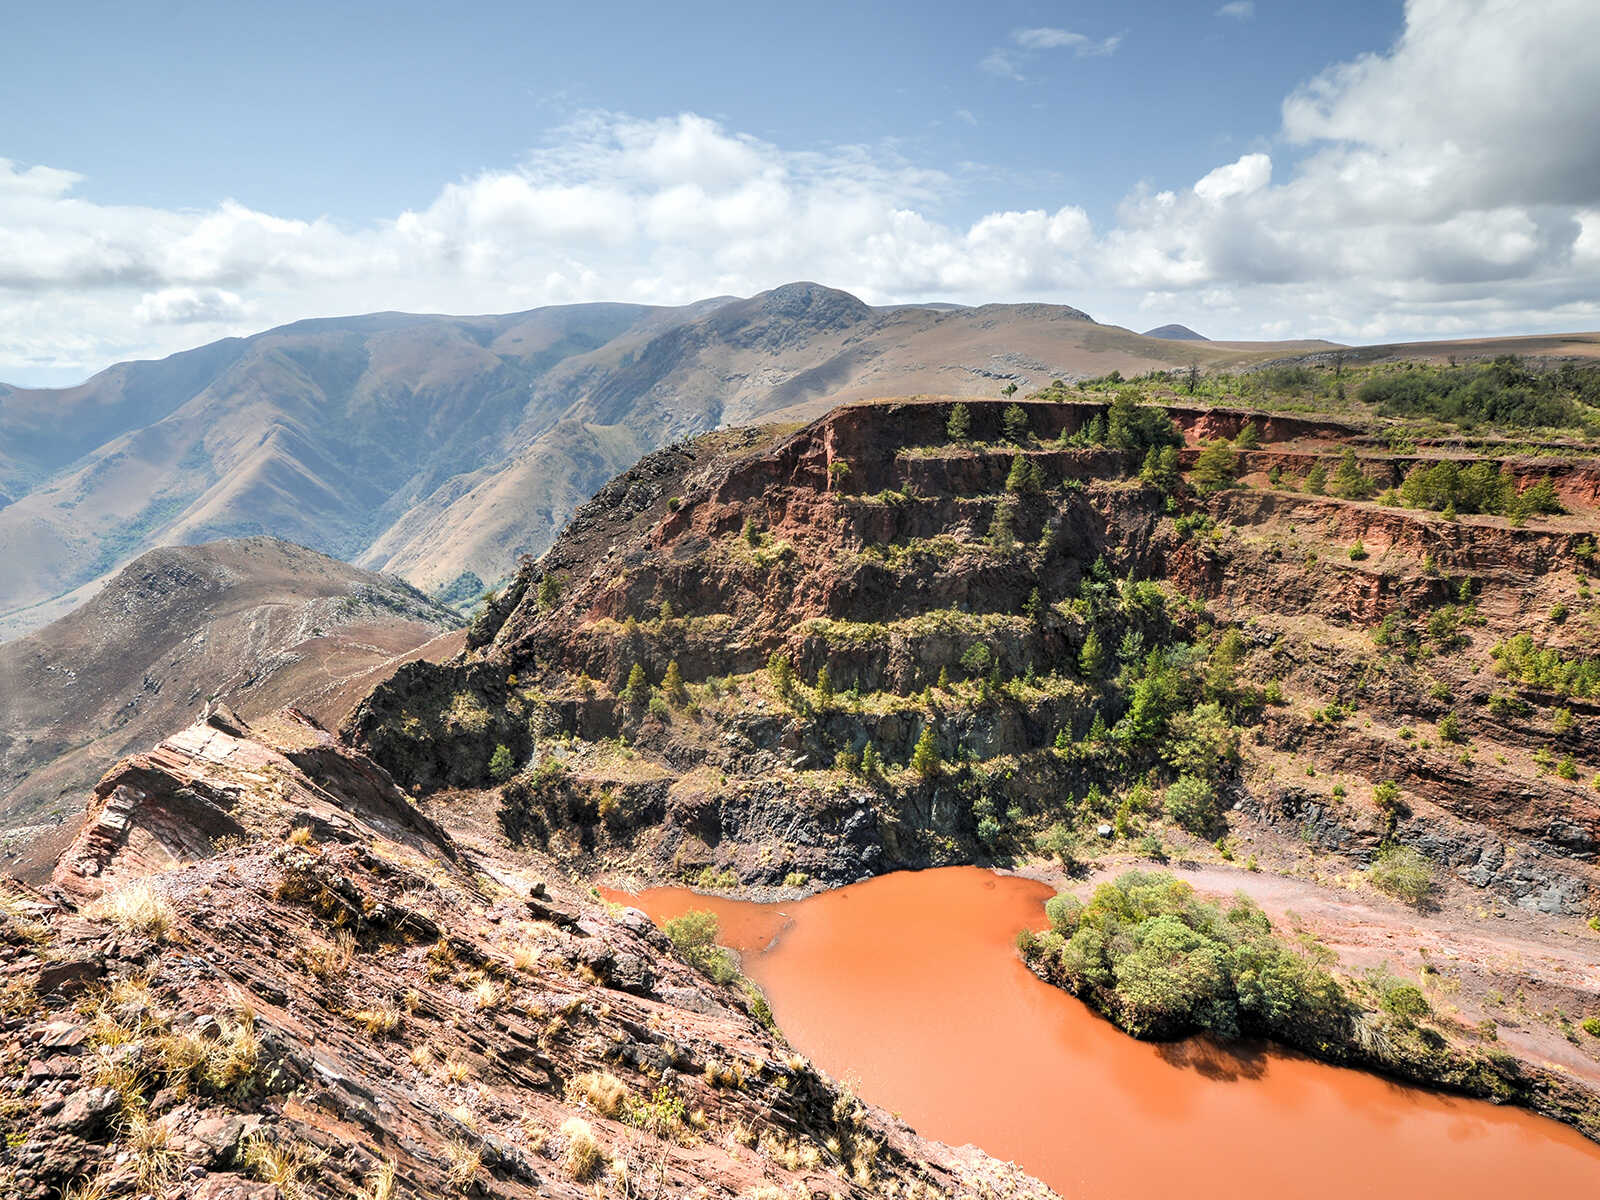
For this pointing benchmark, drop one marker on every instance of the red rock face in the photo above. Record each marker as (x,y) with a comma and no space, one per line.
(321,987)
(748,541)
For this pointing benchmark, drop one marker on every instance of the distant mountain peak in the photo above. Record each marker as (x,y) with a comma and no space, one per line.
(1176,333)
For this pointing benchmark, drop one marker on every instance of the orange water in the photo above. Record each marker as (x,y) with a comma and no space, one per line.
(909,984)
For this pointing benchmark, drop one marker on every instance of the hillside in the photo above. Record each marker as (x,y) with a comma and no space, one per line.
(441,448)
(1176,333)
(918,633)
(261,973)
(254,623)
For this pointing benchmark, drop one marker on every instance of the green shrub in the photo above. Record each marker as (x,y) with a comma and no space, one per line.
(1149,954)
(1348,481)
(501,765)
(1215,469)
(1505,392)
(1406,1001)
(695,936)
(1402,872)
(1192,803)
(1060,843)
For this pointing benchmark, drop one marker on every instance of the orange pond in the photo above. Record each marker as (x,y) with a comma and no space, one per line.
(909,984)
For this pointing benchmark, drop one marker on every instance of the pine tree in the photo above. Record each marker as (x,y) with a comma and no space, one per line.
(637,690)
(1316,480)
(925,759)
(871,764)
(1349,482)
(501,765)
(672,685)
(1001,527)
(1025,475)
(824,686)
(781,671)
(1091,658)
(1160,468)
(959,426)
(1248,438)
(1015,422)
(549,592)
(944,680)
(1215,469)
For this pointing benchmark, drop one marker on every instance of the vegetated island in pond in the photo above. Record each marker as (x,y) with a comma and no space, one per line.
(1160,962)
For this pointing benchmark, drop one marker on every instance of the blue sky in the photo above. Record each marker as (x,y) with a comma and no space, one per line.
(181,171)
(298,111)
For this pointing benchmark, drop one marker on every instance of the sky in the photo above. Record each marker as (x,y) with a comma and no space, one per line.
(175,172)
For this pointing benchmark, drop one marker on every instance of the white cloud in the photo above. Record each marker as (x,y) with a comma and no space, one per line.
(1448,184)
(1239,10)
(1248,174)
(1008,61)
(1002,63)
(1049,38)
(189,306)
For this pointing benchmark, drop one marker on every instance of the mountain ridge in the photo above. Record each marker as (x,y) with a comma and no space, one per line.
(420,444)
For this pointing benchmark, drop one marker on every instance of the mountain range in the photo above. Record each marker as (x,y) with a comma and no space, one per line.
(441,448)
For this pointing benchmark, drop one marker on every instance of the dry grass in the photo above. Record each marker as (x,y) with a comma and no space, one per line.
(282,1165)
(456,1071)
(583,1154)
(21,916)
(331,959)
(465,1163)
(525,958)
(234,1056)
(380,1182)
(604,1093)
(156,1160)
(135,908)
(486,995)
(379,1021)
(300,835)
(100,1187)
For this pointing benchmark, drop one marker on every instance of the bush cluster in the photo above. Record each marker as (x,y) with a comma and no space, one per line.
(1161,963)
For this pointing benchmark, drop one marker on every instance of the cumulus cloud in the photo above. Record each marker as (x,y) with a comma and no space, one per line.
(1239,10)
(1450,184)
